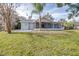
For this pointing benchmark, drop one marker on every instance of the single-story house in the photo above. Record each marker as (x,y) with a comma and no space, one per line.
(47,23)
(76,25)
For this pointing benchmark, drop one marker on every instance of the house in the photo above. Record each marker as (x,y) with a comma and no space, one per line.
(47,23)
(76,25)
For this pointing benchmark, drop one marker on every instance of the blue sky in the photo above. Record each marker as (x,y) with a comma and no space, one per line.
(51,8)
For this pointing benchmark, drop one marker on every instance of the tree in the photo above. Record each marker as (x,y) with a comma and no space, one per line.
(7,11)
(68,25)
(38,9)
(73,10)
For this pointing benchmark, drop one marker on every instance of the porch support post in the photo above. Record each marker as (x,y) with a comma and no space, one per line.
(53,25)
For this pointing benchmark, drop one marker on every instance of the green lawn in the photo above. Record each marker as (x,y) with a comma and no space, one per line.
(40,44)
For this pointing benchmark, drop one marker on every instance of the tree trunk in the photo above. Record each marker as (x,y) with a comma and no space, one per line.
(73,22)
(8,20)
(8,25)
(39,22)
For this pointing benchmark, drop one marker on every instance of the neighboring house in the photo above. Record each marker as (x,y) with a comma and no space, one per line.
(76,26)
(47,23)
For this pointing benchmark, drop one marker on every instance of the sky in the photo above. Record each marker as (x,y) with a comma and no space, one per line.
(51,8)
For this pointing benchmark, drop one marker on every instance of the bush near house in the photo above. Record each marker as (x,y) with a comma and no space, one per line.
(69,25)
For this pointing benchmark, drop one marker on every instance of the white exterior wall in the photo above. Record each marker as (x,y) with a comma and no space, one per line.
(77,27)
(27,25)
(24,26)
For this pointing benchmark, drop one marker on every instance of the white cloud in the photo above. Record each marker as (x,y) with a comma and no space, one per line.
(60,15)
(24,10)
(21,13)
(77,19)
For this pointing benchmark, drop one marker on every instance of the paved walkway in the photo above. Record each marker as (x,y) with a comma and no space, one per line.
(22,30)
(45,32)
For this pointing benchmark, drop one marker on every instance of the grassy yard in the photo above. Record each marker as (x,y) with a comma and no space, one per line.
(40,44)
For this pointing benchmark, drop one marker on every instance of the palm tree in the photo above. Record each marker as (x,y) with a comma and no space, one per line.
(73,9)
(38,9)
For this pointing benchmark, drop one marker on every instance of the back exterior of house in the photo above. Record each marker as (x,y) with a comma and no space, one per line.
(47,23)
